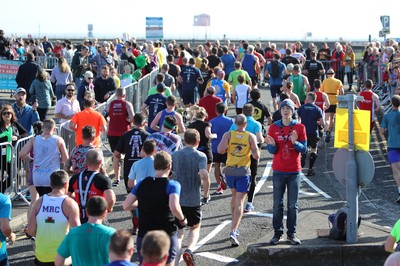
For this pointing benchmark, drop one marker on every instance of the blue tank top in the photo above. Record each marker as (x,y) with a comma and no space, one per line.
(162,118)
(248,64)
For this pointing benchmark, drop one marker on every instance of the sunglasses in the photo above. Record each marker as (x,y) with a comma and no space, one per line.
(89,78)
(70,90)
(6,113)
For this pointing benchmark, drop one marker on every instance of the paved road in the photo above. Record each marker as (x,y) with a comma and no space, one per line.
(320,192)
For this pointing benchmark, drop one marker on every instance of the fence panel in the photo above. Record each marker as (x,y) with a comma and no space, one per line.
(7,169)
(21,171)
(67,135)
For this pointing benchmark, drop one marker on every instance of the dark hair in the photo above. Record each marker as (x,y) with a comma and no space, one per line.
(171,100)
(311,96)
(317,83)
(225,49)
(8,107)
(88,132)
(149,146)
(160,77)
(240,78)
(88,102)
(288,51)
(283,97)
(58,179)
(138,119)
(162,160)
(369,83)
(396,101)
(255,94)
(191,136)
(196,53)
(30,56)
(237,64)
(96,206)
(121,242)
(191,61)
(169,122)
(220,108)
(37,127)
(170,58)
(248,109)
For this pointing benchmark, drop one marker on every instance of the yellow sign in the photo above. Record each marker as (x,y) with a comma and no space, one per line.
(362,121)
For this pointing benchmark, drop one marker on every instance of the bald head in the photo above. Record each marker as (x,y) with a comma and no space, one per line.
(240,120)
(94,157)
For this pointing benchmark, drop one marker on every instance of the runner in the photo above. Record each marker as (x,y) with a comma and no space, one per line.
(239,144)
(371,102)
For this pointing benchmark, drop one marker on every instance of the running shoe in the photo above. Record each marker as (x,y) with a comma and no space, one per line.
(249,207)
(276,239)
(220,191)
(310,172)
(233,239)
(188,257)
(293,239)
(115,183)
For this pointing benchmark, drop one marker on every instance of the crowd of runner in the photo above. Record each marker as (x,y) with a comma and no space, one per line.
(167,150)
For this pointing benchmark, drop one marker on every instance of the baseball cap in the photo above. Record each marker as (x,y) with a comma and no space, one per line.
(18,90)
(330,71)
(289,103)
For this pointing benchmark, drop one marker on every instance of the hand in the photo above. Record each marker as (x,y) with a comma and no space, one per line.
(183,222)
(213,136)
(35,105)
(106,96)
(270,140)
(294,136)
(12,238)
(14,138)
(205,200)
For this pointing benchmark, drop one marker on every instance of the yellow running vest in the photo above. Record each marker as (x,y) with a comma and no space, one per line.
(239,149)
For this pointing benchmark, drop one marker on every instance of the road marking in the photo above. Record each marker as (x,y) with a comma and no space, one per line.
(217,257)
(211,234)
(262,214)
(311,184)
(263,178)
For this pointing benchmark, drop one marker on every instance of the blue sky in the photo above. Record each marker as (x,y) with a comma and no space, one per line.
(290,19)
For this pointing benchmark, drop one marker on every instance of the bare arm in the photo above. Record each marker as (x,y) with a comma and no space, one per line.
(260,138)
(129,202)
(154,123)
(6,230)
(307,83)
(255,152)
(144,109)
(60,261)
(110,198)
(326,100)
(175,207)
(131,113)
(205,178)
(208,133)
(32,217)
(179,121)
(24,153)
(72,126)
(390,244)
(117,158)
(375,98)
(223,145)
(63,150)
(71,210)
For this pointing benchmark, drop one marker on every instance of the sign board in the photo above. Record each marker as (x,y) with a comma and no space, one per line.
(8,73)
(154,28)
(201,20)
(385,20)
(365,167)
(362,123)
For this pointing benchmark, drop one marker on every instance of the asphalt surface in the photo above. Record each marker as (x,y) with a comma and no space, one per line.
(320,192)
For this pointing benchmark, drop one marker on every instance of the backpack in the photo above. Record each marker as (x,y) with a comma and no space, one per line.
(339,220)
(275,69)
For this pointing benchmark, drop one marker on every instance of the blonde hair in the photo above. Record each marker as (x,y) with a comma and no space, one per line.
(63,65)
(201,113)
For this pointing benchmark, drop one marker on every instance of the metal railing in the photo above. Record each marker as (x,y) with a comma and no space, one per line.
(7,168)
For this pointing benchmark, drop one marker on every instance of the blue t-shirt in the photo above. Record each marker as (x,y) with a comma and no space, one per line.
(229,63)
(391,121)
(5,212)
(156,103)
(220,125)
(142,169)
(173,187)
(190,74)
(279,79)
(253,126)
(310,114)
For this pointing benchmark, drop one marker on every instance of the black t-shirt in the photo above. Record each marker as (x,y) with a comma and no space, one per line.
(206,77)
(201,127)
(313,67)
(213,61)
(173,70)
(131,144)
(156,103)
(260,111)
(102,87)
(290,59)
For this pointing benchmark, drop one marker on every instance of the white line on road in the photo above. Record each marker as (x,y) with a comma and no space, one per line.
(262,214)
(263,178)
(217,257)
(311,184)
(211,234)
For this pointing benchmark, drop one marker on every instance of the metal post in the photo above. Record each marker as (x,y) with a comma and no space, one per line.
(351,182)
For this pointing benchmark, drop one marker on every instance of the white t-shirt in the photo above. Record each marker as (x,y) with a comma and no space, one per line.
(242,95)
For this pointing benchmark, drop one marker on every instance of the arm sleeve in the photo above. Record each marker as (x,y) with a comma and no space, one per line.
(63,249)
(135,188)
(5,209)
(132,172)
(203,161)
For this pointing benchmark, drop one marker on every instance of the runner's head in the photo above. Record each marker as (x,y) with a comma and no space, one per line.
(248,109)
(221,108)
(369,84)
(317,84)
(96,207)
(94,157)
(396,101)
(169,123)
(241,121)
(311,97)
(121,244)
(162,161)
(155,247)
(255,94)
(191,137)
(59,179)
(88,133)
(149,147)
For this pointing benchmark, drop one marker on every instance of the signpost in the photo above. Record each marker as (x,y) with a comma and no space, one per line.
(351,132)
(8,72)
(385,20)
(154,28)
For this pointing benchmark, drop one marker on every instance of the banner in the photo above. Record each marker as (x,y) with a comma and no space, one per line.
(154,28)
(202,20)
(8,73)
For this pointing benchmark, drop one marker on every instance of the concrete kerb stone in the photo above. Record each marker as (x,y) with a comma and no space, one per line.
(321,250)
